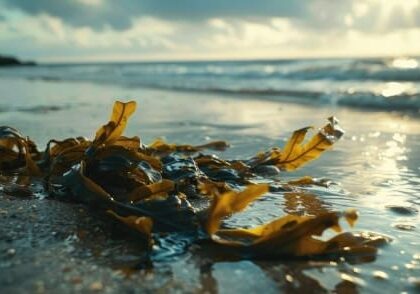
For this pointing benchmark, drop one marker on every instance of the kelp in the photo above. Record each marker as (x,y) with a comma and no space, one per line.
(159,146)
(291,235)
(17,152)
(116,125)
(297,152)
(165,187)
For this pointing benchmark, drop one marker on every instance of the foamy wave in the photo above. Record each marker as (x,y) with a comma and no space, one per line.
(390,84)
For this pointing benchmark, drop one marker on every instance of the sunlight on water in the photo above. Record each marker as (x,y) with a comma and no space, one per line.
(350,82)
(394,89)
(405,63)
(375,170)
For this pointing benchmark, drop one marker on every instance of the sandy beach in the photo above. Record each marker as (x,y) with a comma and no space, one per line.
(66,248)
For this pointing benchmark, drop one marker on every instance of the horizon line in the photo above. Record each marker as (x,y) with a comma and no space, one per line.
(216,59)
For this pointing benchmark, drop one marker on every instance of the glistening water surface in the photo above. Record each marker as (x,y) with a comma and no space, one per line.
(376,83)
(375,168)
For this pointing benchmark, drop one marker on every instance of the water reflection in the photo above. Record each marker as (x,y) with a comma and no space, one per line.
(274,277)
(378,168)
(394,89)
(405,63)
(304,203)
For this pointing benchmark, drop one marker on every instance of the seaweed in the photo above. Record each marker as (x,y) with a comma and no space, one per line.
(165,187)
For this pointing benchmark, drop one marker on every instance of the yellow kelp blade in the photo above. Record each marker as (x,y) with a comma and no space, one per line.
(11,152)
(211,188)
(231,202)
(129,143)
(17,151)
(160,146)
(31,166)
(292,235)
(145,191)
(55,148)
(7,155)
(296,152)
(141,224)
(22,157)
(66,158)
(116,126)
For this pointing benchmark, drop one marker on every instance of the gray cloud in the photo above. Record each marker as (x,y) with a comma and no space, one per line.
(118,14)
(74,13)
(311,14)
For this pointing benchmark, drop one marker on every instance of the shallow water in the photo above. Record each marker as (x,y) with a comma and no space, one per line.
(378,83)
(376,168)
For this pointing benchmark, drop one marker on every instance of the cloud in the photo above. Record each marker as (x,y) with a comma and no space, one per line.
(75,13)
(119,14)
(48,38)
(384,16)
(321,14)
(189,29)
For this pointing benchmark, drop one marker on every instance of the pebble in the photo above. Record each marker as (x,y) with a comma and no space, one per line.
(404,227)
(66,269)
(289,278)
(76,280)
(96,286)
(415,281)
(39,287)
(11,251)
(380,275)
(352,279)
(403,210)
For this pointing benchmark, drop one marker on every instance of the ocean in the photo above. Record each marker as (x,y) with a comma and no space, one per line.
(391,84)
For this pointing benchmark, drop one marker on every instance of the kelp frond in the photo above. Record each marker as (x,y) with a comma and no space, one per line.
(297,152)
(162,186)
(291,235)
(117,123)
(231,202)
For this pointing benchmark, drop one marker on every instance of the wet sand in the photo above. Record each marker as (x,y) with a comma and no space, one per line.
(52,246)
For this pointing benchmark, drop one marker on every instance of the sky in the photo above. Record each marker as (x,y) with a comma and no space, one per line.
(124,30)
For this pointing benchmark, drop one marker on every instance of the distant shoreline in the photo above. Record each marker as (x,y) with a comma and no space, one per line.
(13,61)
